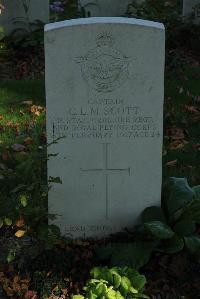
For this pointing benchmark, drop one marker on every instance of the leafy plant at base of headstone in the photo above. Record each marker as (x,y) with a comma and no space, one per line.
(133,254)
(24,203)
(174,225)
(169,229)
(114,283)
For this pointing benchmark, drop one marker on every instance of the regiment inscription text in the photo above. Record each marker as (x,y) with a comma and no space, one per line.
(104,118)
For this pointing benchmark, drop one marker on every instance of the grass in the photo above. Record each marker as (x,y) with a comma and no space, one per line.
(14,92)
(182,124)
(181,151)
(21,111)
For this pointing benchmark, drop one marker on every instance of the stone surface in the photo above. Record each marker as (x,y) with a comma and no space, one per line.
(38,10)
(189,8)
(105,8)
(104,88)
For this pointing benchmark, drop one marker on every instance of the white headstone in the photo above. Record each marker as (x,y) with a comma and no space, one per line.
(105,8)
(190,8)
(104,88)
(14,16)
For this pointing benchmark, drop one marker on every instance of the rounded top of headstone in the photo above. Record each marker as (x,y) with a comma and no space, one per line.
(103,20)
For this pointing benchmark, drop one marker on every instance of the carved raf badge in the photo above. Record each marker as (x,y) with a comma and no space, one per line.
(104,68)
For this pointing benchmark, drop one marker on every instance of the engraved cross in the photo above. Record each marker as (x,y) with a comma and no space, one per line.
(106,171)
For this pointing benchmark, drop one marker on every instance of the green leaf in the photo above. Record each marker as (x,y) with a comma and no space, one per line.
(185,227)
(159,230)
(133,290)
(101,289)
(180,195)
(192,211)
(119,295)
(196,190)
(107,275)
(23,200)
(125,286)
(91,295)
(172,245)
(153,214)
(11,255)
(8,221)
(78,297)
(111,294)
(98,288)
(116,278)
(96,272)
(138,281)
(193,244)
(134,255)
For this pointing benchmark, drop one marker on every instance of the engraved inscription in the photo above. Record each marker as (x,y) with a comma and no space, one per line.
(104,119)
(104,68)
(106,171)
(92,228)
